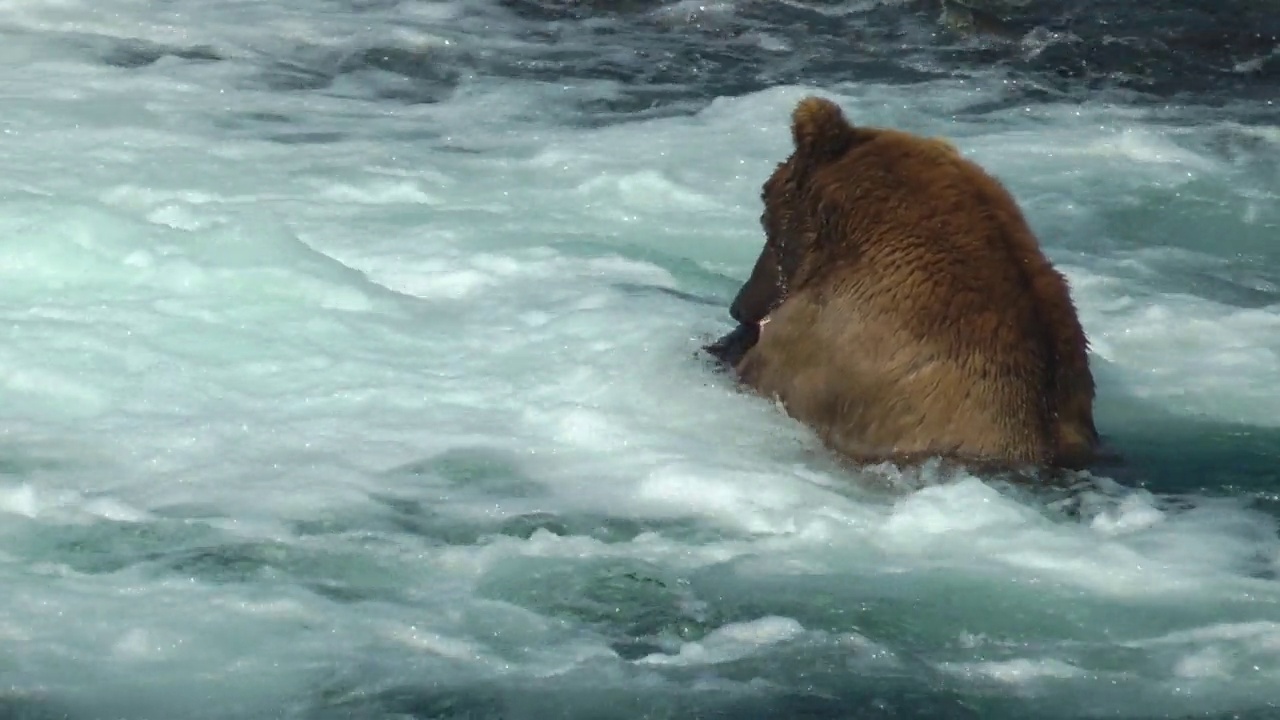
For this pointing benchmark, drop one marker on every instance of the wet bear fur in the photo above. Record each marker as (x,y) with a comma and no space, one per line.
(901,307)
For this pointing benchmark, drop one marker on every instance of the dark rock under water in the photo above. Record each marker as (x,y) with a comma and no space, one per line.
(666,57)
(1203,52)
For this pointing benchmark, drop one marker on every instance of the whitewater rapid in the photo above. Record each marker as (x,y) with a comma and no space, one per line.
(349,393)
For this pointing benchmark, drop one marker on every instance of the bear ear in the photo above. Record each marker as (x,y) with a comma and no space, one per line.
(820,130)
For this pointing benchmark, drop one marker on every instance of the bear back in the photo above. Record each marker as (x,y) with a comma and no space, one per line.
(909,308)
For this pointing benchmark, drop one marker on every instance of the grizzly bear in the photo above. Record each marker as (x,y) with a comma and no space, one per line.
(901,307)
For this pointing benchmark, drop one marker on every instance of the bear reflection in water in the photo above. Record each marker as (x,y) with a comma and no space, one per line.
(902,308)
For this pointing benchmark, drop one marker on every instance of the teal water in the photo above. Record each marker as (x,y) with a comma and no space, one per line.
(336,387)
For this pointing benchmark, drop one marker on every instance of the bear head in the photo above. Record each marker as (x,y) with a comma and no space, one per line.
(820,134)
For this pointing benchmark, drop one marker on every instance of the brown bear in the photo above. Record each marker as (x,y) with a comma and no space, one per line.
(902,308)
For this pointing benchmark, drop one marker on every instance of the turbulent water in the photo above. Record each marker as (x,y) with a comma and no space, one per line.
(349,367)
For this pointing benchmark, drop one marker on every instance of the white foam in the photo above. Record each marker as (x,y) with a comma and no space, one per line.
(1022,671)
(20,500)
(1262,635)
(731,642)
(1133,514)
(381,193)
(647,190)
(1196,357)
(969,507)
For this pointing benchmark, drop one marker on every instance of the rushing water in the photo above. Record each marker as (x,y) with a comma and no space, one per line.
(350,368)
